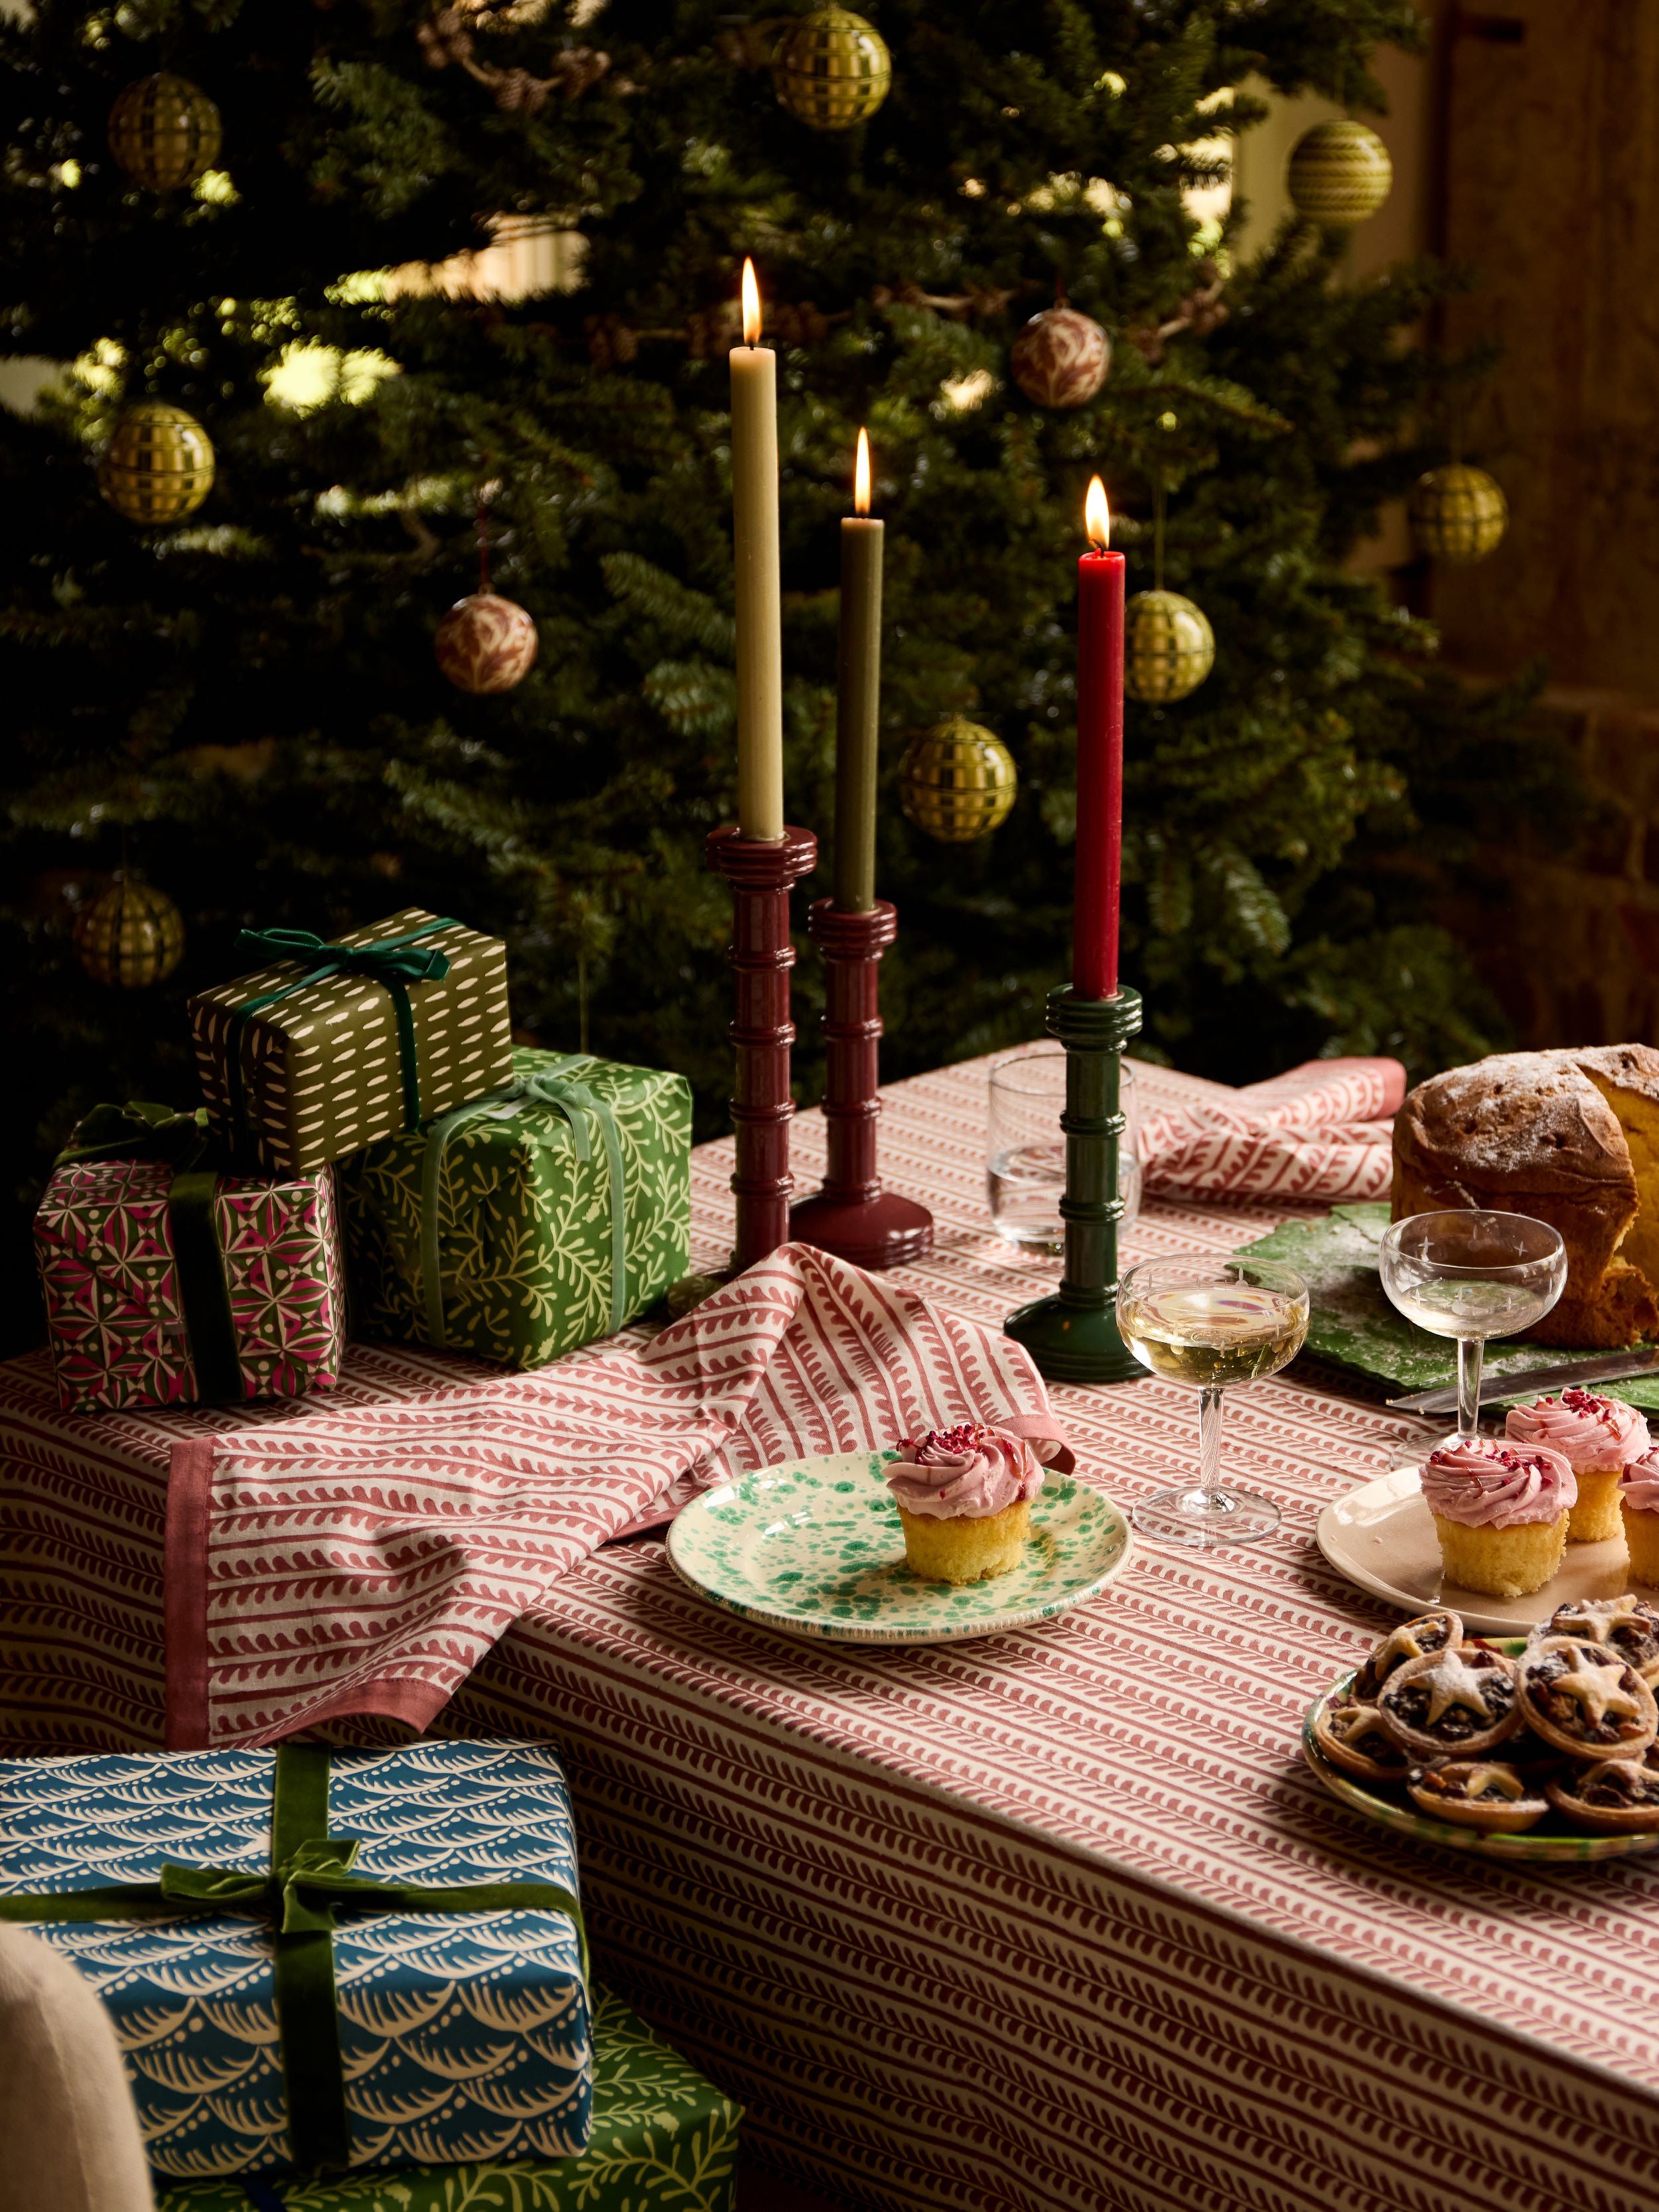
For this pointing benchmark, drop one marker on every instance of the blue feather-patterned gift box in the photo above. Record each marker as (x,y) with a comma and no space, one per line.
(463,2036)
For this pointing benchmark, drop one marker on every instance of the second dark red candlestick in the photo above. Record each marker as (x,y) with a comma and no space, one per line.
(853,1216)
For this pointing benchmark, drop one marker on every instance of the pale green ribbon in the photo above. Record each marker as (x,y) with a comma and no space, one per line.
(576,1101)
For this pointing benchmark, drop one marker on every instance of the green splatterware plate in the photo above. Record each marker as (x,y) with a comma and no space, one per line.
(1353,1325)
(814,1547)
(1551,1843)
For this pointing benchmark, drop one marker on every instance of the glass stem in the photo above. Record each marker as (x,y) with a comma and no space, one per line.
(1209,1442)
(1469,1351)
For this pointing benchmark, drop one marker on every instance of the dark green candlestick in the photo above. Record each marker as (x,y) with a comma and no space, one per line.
(1073,1336)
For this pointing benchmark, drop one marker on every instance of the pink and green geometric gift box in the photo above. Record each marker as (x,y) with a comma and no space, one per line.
(104,1237)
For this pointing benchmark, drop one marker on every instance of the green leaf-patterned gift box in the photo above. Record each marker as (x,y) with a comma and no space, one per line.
(664,2140)
(530,1221)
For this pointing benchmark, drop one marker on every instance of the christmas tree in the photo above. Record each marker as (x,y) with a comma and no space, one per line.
(241,702)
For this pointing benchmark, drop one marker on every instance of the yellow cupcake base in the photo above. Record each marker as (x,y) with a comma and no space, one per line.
(1642,1536)
(1502,1562)
(1594,1518)
(965,1549)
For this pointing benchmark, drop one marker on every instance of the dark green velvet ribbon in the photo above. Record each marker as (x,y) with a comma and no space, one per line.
(564,1095)
(308,1879)
(394,963)
(143,1131)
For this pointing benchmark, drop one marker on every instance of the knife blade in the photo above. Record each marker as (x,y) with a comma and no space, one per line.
(1494,1387)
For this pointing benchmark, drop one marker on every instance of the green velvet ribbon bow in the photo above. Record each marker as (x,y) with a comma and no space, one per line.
(576,1101)
(143,1131)
(308,1879)
(394,963)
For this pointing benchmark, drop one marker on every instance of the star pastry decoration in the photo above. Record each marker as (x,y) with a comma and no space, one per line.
(1601,1616)
(1403,1643)
(1596,1686)
(1452,1682)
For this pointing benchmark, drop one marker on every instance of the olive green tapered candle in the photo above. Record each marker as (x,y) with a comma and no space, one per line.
(858,708)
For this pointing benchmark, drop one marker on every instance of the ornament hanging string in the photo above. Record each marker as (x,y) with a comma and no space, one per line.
(484,543)
(1160,501)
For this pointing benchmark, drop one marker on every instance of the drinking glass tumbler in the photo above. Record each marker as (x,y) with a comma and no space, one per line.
(1471,1275)
(1025,1148)
(1208,1323)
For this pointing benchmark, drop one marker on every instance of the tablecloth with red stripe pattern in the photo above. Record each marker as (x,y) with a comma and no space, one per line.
(1052,1921)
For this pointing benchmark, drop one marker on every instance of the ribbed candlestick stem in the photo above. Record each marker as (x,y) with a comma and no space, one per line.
(853,1216)
(761,957)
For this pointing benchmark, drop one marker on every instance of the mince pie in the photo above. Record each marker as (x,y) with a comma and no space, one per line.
(1583,1699)
(1450,1703)
(1438,1631)
(1351,1737)
(1628,1627)
(1620,1797)
(1477,1793)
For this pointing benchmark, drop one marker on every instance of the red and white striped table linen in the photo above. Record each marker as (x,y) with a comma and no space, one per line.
(1057,1920)
(362,1555)
(1320,1133)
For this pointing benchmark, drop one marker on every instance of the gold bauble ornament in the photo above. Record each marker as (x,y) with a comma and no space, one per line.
(832,70)
(1340,172)
(486,643)
(1060,358)
(164,132)
(158,467)
(131,935)
(1168,647)
(957,782)
(1458,513)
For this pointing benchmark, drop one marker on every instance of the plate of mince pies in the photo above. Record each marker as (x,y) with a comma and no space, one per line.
(1543,1748)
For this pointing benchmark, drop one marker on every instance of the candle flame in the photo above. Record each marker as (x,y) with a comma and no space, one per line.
(751,308)
(861,476)
(1097,516)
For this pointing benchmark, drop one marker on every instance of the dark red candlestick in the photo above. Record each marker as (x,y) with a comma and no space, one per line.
(1099,851)
(761,954)
(853,1216)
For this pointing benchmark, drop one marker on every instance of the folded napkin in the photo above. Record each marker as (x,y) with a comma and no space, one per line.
(1320,1133)
(362,1558)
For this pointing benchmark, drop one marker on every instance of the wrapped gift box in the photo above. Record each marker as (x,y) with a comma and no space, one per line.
(318,1056)
(514,1198)
(464,2036)
(664,2141)
(116,1310)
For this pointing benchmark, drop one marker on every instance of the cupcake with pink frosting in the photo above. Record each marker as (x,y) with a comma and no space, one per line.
(1500,1511)
(1638,1508)
(1599,1439)
(964,1500)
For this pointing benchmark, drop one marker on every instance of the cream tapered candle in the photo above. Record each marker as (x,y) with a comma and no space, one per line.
(759,615)
(858,711)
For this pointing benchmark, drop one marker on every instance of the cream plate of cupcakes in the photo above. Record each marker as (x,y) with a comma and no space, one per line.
(1565,1506)
(953,1534)
(1535,1748)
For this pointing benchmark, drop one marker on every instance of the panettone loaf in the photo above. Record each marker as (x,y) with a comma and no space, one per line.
(1572,1138)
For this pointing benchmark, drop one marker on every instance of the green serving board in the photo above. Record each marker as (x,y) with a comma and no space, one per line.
(1353,1326)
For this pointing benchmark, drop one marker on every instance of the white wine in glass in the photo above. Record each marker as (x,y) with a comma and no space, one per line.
(1209,1323)
(1470,1273)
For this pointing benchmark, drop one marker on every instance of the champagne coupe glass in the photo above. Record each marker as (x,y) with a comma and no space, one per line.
(1207,1323)
(1471,1275)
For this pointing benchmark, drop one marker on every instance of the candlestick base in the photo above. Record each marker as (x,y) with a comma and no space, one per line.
(1072,1335)
(853,1216)
(761,954)
(877,1233)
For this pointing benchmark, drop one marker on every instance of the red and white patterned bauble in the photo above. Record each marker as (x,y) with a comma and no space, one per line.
(486,643)
(1060,358)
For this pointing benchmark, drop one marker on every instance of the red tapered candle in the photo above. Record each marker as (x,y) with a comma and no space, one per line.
(1099,859)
